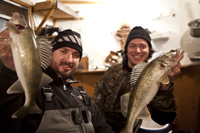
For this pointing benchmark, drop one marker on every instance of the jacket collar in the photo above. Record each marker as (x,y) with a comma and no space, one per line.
(126,67)
(56,77)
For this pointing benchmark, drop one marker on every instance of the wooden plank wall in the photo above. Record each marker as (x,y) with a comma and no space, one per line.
(88,80)
(187,94)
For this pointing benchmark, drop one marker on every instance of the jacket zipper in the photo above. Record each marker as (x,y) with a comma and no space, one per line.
(75,97)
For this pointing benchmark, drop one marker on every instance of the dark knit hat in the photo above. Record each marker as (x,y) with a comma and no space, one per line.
(138,32)
(68,38)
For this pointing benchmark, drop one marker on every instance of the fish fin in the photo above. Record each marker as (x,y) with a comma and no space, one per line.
(164,79)
(15,88)
(124,100)
(46,79)
(144,114)
(23,111)
(12,28)
(136,72)
(34,110)
(45,51)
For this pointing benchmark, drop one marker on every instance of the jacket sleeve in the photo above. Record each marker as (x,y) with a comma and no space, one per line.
(98,99)
(10,103)
(163,107)
(99,122)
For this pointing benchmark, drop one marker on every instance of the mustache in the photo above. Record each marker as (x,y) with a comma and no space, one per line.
(67,64)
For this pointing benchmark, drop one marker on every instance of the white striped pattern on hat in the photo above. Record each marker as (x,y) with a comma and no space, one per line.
(70,38)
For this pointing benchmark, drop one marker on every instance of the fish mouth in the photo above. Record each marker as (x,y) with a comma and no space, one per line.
(20,27)
(179,54)
(175,56)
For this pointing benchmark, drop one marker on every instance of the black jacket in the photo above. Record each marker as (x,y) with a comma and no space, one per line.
(62,100)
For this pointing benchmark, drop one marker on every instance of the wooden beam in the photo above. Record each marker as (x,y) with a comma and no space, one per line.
(43,21)
(22,3)
(82,2)
(54,23)
(31,17)
(80,18)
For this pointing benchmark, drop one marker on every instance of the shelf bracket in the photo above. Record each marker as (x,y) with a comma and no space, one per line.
(43,21)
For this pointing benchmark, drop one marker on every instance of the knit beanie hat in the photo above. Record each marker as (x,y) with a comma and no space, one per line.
(138,32)
(68,38)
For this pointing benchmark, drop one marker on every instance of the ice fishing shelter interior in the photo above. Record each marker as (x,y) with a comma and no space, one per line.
(102,24)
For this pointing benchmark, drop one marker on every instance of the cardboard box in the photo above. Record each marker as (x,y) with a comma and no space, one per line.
(83,64)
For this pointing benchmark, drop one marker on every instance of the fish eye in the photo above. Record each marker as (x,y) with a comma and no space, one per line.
(172,51)
(21,16)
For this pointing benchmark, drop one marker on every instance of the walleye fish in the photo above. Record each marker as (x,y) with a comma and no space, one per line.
(146,85)
(28,62)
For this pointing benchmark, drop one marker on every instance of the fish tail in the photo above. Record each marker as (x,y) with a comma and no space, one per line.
(34,110)
(123,131)
(23,111)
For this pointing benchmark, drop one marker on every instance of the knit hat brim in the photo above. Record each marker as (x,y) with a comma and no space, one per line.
(68,38)
(138,32)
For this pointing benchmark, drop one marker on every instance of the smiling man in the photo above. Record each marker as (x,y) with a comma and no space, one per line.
(116,82)
(65,61)
(65,108)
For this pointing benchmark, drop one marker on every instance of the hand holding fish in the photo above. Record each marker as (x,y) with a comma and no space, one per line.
(173,75)
(5,50)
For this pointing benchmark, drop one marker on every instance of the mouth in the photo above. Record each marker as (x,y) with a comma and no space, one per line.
(66,66)
(20,27)
(137,56)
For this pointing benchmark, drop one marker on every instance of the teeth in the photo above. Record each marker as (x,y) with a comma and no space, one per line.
(66,66)
(137,56)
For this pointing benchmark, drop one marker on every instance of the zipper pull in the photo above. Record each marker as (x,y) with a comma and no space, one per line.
(74,97)
(64,87)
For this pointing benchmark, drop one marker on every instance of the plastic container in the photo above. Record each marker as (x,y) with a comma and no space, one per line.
(194,28)
(149,126)
(194,56)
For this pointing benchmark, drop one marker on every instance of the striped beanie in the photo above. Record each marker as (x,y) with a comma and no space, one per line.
(68,38)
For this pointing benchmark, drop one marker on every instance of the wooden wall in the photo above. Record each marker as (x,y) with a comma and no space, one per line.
(88,79)
(187,94)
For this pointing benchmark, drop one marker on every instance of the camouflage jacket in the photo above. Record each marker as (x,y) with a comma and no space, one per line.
(116,82)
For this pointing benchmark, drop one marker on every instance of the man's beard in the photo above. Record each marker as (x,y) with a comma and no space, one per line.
(64,73)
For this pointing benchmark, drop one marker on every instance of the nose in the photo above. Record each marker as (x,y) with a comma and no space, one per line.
(138,50)
(68,57)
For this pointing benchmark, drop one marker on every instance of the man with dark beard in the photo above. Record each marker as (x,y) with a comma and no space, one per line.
(65,108)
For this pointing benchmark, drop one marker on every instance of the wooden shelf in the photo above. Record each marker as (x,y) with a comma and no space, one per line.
(160,36)
(93,71)
(57,11)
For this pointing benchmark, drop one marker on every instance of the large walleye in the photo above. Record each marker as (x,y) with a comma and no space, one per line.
(26,56)
(146,85)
